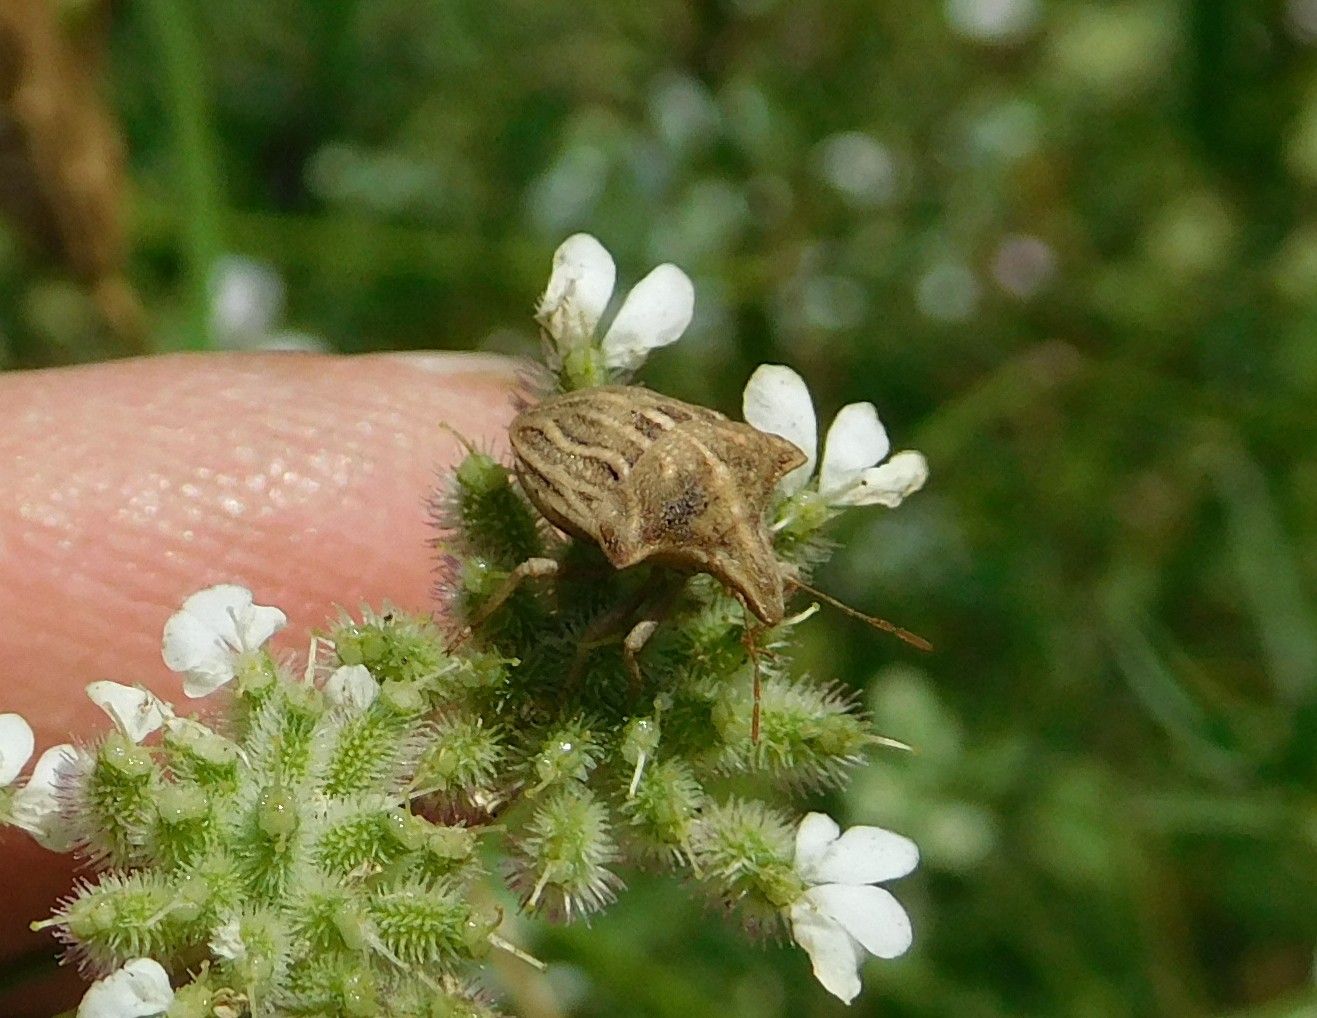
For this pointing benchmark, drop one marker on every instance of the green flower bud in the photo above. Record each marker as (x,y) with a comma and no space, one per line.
(119,802)
(359,994)
(277,814)
(489,518)
(405,699)
(464,755)
(566,853)
(481,475)
(200,755)
(181,804)
(568,754)
(420,923)
(664,807)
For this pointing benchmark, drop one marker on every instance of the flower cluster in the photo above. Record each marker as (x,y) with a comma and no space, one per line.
(654,314)
(852,471)
(284,855)
(316,850)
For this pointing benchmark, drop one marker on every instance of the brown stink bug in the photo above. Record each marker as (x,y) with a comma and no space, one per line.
(649,478)
(652,479)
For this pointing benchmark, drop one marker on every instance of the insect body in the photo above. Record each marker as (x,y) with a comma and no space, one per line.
(652,479)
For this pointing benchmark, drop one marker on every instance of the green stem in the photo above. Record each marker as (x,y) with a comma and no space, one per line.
(181,75)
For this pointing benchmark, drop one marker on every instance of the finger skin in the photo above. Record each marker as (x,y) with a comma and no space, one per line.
(124,487)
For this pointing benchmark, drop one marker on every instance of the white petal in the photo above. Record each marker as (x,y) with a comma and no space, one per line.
(816,832)
(208,677)
(869,914)
(352,687)
(777,401)
(889,484)
(205,658)
(864,855)
(257,623)
(16,745)
(830,948)
(579,287)
(36,807)
(191,643)
(136,712)
(138,990)
(654,314)
(213,625)
(857,439)
(247,298)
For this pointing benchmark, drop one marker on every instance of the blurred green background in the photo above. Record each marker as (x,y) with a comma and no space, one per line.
(1069,250)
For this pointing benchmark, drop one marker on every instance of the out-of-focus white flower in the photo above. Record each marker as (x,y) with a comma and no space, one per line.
(351,687)
(654,314)
(246,304)
(993,21)
(36,806)
(134,711)
(16,745)
(204,638)
(247,298)
(842,917)
(852,472)
(140,989)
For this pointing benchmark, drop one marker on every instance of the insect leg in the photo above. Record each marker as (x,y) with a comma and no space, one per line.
(658,609)
(633,644)
(532,568)
(650,607)
(748,638)
(602,630)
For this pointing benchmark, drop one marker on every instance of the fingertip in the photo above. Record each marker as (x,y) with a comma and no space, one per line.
(304,477)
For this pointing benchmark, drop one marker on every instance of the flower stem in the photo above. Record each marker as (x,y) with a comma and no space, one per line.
(182,85)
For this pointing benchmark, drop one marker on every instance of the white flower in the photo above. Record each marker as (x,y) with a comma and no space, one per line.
(139,989)
(654,314)
(247,298)
(842,915)
(214,626)
(134,711)
(351,687)
(16,745)
(852,472)
(246,304)
(36,807)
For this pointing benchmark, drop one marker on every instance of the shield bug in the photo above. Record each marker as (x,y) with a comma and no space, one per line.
(652,479)
(649,478)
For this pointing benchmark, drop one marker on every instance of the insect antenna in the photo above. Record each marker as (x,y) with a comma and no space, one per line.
(465,442)
(877,623)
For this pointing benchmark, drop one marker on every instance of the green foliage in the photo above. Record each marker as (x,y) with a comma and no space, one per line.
(1077,258)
